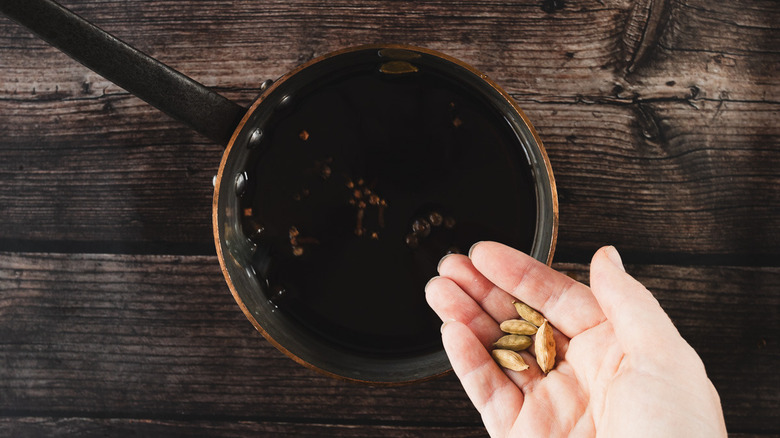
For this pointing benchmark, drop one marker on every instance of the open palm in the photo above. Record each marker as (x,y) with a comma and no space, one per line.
(622,368)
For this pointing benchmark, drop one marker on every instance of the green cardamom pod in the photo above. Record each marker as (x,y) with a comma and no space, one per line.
(544,347)
(509,359)
(518,327)
(513,342)
(529,314)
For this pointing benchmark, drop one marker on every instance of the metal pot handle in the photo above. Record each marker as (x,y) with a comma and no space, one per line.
(208,112)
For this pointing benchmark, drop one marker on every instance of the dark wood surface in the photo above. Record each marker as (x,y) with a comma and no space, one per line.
(660,118)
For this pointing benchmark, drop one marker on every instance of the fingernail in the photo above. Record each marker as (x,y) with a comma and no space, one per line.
(472,248)
(614,257)
(429,282)
(442,261)
(446,321)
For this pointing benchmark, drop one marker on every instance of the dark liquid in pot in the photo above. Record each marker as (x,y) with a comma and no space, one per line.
(360,187)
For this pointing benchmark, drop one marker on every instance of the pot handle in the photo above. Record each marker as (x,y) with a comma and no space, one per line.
(208,112)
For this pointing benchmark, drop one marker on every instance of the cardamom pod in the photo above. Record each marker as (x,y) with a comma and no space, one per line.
(518,327)
(513,342)
(544,347)
(509,359)
(529,314)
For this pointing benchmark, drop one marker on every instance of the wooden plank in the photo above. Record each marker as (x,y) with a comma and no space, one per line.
(654,178)
(68,427)
(580,50)
(140,335)
(135,178)
(666,177)
(159,336)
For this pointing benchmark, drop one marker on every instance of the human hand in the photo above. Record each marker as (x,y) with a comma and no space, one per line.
(622,368)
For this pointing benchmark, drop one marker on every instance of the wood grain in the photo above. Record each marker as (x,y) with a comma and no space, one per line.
(134,336)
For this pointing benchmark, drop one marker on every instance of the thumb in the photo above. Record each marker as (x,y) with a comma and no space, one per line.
(636,316)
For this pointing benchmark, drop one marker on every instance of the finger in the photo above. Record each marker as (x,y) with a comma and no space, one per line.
(450,302)
(636,316)
(487,295)
(494,395)
(568,304)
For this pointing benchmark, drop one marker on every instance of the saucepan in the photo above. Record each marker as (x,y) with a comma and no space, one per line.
(342,186)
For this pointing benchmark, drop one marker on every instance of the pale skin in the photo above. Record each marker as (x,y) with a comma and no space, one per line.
(622,368)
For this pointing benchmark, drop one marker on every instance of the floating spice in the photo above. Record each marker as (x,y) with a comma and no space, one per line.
(449,222)
(297,241)
(398,68)
(293,235)
(421,227)
(359,230)
(364,198)
(325,171)
(301,195)
(435,218)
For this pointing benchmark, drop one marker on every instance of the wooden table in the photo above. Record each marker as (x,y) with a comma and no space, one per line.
(660,118)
